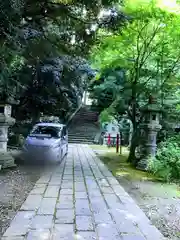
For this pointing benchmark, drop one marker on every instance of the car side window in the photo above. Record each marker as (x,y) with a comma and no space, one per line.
(65,131)
(62,133)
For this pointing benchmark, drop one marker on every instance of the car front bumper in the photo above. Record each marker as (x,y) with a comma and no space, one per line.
(50,155)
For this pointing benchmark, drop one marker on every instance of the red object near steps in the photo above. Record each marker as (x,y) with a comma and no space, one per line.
(109,140)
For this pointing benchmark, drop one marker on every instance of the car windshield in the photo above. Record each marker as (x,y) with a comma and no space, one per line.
(46,130)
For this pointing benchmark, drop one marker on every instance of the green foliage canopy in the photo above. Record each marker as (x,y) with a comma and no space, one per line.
(148,51)
(33,32)
(166,164)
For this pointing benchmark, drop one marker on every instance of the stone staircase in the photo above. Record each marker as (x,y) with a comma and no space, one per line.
(83,127)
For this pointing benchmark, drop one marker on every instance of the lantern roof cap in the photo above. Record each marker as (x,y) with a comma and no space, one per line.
(152,106)
(9,101)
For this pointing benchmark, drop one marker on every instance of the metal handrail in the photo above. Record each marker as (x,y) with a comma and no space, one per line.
(73,114)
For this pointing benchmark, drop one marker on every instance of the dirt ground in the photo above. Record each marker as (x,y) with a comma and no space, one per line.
(159,201)
(161,205)
(15,185)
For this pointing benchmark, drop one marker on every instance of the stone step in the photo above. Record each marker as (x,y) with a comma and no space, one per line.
(86,114)
(82,135)
(89,136)
(80,141)
(83,127)
(86,118)
(81,138)
(80,132)
(88,122)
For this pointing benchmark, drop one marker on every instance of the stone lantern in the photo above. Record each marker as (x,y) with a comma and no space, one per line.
(149,129)
(6,160)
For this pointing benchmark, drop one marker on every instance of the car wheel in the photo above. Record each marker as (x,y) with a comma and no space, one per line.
(66,150)
(61,157)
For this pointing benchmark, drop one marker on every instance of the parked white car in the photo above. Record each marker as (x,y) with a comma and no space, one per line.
(46,141)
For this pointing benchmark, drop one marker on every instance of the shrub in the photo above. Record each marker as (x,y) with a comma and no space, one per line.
(166,164)
(105,117)
(16,140)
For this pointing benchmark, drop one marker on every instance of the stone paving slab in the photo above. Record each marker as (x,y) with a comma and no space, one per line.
(80,200)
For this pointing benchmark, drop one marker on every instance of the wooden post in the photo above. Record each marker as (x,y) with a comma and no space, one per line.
(109,140)
(117,143)
(120,143)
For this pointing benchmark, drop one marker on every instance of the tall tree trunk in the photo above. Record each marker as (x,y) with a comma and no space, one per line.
(130,133)
(36,118)
(134,141)
(134,138)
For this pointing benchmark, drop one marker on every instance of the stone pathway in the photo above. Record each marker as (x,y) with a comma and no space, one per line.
(80,200)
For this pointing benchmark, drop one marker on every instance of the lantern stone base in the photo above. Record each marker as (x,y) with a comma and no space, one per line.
(6,160)
(142,164)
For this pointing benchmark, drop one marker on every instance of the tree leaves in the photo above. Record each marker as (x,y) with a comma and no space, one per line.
(147,48)
(43,49)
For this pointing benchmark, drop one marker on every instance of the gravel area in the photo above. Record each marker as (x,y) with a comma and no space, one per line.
(160,204)
(15,184)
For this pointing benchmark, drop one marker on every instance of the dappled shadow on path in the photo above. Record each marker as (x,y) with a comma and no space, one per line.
(39,161)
